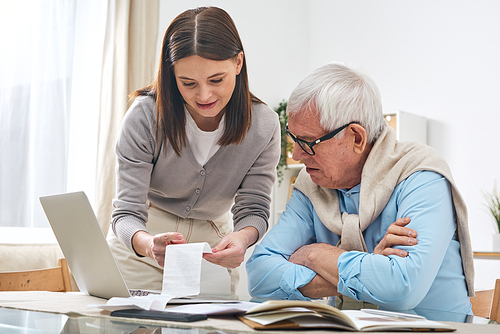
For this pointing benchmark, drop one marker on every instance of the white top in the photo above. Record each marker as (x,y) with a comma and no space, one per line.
(203,143)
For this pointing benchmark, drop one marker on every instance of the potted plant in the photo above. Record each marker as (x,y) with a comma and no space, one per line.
(286,146)
(493,205)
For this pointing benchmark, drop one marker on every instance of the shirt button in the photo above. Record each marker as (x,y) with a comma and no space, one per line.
(188,208)
(348,194)
(202,172)
(197,190)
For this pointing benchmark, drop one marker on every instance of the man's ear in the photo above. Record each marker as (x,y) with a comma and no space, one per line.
(359,137)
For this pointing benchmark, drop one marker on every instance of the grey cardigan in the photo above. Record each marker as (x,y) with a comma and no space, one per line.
(242,174)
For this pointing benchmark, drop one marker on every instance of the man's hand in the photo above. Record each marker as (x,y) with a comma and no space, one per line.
(230,252)
(154,246)
(307,254)
(397,235)
(321,258)
(318,287)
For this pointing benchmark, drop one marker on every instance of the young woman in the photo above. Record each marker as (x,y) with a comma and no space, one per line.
(193,146)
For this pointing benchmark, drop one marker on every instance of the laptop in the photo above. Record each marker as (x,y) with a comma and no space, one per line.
(84,245)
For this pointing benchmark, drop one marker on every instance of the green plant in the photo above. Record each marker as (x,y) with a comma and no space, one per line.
(286,146)
(493,204)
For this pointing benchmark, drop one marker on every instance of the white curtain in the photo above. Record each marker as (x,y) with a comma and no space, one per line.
(35,94)
(47,76)
(129,64)
(66,68)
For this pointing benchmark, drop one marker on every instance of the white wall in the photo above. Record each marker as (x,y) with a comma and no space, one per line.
(438,59)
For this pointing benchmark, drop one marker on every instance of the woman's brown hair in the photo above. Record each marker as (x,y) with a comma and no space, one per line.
(208,32)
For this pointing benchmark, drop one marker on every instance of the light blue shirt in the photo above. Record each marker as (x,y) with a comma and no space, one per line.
(430,277)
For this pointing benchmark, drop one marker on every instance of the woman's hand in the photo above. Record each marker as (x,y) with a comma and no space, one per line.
(230,252)
(154,246)
(397,235)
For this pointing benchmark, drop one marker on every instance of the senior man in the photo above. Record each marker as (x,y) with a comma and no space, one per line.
(359,186)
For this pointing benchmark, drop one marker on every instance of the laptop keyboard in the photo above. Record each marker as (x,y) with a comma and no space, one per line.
(140,293)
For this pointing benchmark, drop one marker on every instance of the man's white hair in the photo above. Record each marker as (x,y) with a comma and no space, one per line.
(340,95)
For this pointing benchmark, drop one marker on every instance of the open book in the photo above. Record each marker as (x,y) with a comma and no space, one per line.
(291,314)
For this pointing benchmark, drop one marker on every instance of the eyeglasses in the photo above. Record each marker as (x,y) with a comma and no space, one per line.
(308,146)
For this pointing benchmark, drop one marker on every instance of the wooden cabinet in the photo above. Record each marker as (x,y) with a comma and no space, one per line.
(408,127)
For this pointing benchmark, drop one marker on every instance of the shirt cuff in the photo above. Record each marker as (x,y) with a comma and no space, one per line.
(349,265)
(125,228)
(294,277)
(254,221)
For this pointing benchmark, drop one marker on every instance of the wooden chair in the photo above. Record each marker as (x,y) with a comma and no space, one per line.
(486,303)
(495,306)
(51,279)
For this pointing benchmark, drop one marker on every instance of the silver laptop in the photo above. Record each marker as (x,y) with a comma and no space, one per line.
(84,245)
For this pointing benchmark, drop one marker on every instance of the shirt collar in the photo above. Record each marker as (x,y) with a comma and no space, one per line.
(353,190)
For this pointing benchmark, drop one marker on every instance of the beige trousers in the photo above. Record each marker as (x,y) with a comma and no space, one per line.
(143,272)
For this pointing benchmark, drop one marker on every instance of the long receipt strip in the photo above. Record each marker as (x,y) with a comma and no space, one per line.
(184,268)
(182,277)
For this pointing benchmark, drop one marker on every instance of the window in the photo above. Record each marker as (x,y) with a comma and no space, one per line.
(40,70)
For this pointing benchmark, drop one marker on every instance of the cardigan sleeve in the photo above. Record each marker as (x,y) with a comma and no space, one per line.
(135,150)
(253,198)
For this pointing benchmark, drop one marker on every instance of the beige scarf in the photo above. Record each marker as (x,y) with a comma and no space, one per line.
(388,163)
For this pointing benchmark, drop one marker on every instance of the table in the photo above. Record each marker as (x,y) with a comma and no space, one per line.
(56,312)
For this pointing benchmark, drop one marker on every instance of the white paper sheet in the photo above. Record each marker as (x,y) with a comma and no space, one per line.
(185,274)
(215,280)
(150,302)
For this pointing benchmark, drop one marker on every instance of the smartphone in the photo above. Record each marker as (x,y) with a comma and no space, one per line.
(158,315)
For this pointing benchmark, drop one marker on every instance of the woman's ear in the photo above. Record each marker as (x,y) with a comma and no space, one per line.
(239,62)
(359,137)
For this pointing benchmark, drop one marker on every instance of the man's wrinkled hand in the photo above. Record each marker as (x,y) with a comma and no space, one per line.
(307,254)
(397,235)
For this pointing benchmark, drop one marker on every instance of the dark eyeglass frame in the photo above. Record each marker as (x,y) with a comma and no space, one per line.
(310,144)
